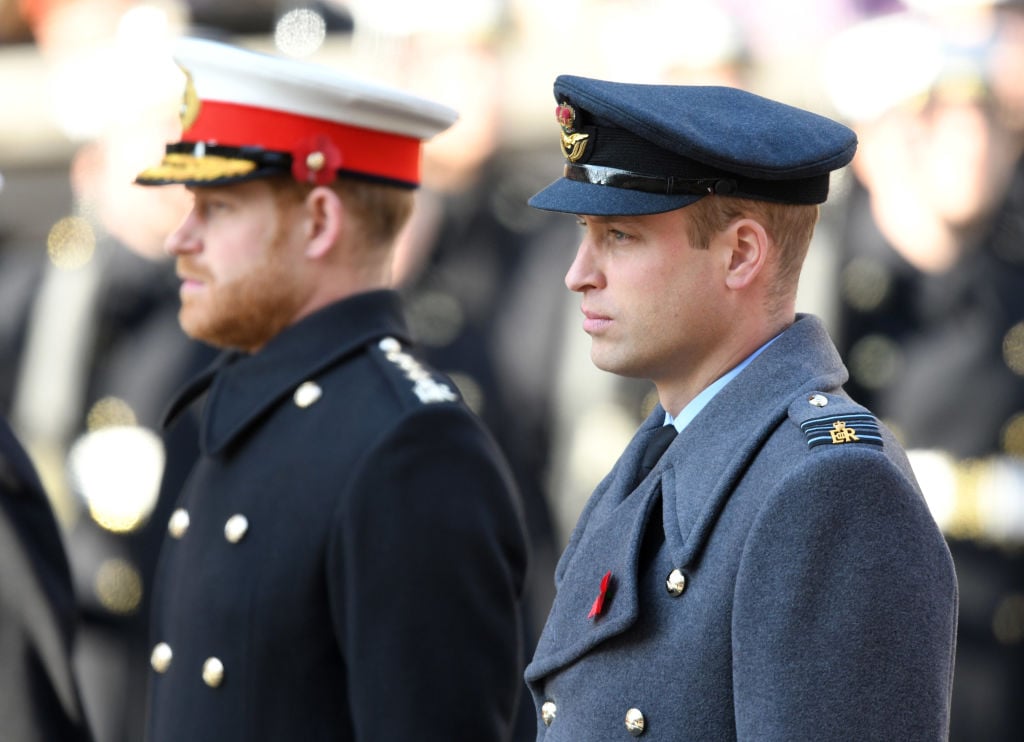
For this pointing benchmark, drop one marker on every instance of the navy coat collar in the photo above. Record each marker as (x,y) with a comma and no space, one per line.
(243,387)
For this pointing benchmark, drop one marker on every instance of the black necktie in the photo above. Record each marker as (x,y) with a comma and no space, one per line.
(656,446)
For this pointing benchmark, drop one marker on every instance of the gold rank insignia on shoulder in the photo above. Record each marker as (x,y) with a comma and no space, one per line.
(425,386)
(837,430)
(574,143)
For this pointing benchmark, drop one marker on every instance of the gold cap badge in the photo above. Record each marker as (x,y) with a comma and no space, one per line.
(189,103)
(574,143)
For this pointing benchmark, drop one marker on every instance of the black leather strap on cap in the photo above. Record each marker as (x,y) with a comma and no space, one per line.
(670,186)
(801,191)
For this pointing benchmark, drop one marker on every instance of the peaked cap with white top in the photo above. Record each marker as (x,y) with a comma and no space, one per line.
(249,115)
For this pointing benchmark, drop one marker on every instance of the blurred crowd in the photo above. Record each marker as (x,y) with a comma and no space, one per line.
(917,265)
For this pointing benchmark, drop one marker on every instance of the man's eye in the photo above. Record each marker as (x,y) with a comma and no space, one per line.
(213,207)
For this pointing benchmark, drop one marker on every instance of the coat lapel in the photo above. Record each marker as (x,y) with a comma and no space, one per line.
(694,479)
(731,430)
(609,544)
(613,489)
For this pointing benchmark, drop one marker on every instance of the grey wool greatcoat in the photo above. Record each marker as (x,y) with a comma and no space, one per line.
(819,600)
(347,556)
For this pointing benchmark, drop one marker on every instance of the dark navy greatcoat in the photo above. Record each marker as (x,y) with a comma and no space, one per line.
(815,598)
(39,698)
(348,555)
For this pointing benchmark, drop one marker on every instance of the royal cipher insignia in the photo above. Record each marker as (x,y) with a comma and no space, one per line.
(837,430)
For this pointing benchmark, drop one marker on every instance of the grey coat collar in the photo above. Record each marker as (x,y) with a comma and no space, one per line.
(709,456)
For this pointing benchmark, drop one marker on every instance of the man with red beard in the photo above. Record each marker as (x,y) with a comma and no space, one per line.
(347,557)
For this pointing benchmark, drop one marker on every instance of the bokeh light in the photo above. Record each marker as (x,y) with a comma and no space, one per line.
(118,586)
(109,412)
(1013,348)
(875,360)
(1013,436)
(71,243)
(300,32)
(865,284)
(117,471)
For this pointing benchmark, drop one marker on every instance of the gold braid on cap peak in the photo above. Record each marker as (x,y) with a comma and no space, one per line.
(177,166)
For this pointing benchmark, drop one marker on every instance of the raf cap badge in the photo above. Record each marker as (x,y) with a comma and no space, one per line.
(574,143)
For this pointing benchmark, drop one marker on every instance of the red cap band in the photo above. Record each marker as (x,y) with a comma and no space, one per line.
(365,151)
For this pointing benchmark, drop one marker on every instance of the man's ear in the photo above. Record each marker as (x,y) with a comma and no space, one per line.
(324,218)
(749,252)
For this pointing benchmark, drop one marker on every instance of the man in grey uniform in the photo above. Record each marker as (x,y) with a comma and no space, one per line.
(776,575)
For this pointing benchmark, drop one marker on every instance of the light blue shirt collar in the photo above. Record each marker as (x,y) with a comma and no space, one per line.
(699,402)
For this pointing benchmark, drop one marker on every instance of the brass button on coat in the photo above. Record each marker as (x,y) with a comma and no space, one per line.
(548,712)
(213,672)
(676,583)
(236,527)
(635,722)
(178,523)
(307,393)
(161,656)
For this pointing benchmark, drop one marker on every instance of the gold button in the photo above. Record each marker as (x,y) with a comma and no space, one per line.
(818,400)
(235,528)
(213,672)
(315,161)
(161,656)
(635,722)
(307,393)
(676,583)
(178,523)
(548,712)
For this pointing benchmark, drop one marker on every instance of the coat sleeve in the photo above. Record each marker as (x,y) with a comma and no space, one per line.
(39,698)
(426,570)
(845,608)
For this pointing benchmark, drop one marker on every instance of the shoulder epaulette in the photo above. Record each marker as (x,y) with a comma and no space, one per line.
(832,420)
(426,388)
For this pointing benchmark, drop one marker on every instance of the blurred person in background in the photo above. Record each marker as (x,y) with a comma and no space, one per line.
(346,560)
(92,341)
(474,265)
(14,29)
(931,311)
(39,698)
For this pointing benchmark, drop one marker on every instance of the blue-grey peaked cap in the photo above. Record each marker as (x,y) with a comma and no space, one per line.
(635,149)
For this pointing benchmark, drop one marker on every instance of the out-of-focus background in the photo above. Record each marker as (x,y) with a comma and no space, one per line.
(917,265)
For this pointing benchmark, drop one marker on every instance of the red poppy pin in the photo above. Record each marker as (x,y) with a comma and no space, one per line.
(598,606)
(316,160)
(566,117)
(574,143)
